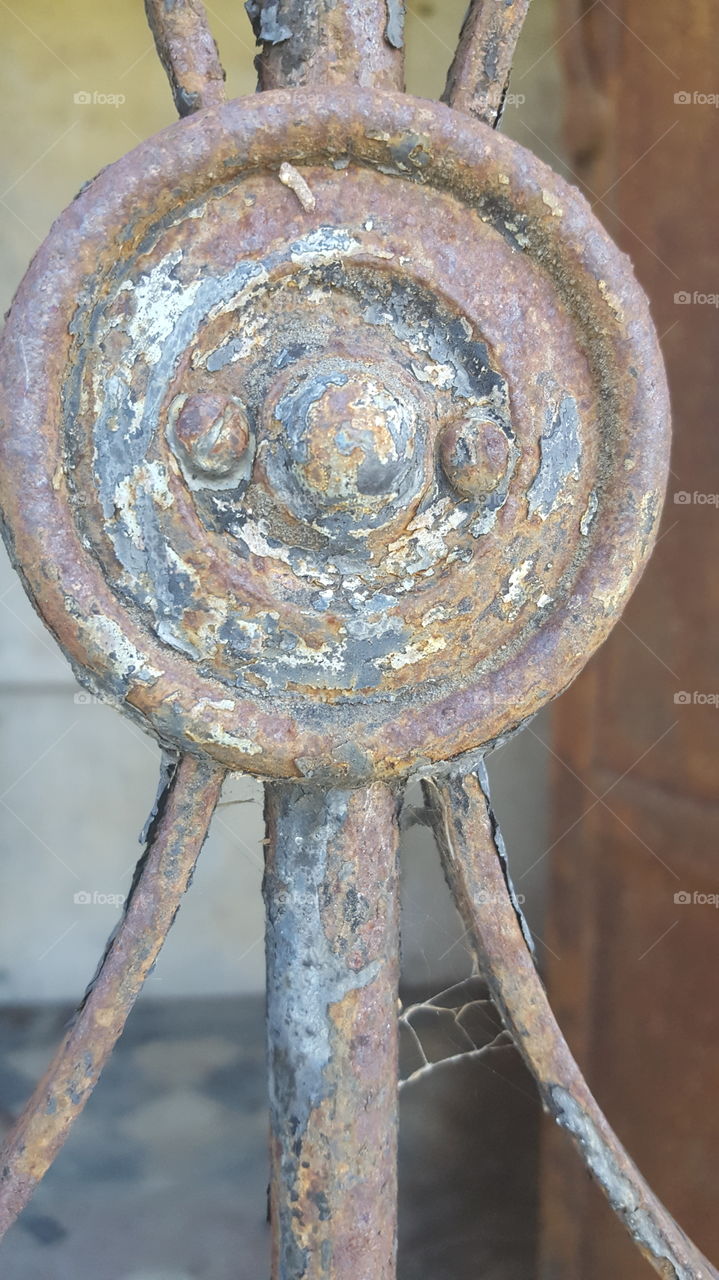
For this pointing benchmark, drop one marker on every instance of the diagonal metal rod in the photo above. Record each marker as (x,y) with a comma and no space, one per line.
(332,899)
(473,860)
(175,837)
(326,43)
(187,51)
(479,74)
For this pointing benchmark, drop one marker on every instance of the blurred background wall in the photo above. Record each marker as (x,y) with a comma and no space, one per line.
(76,780)
(633,925)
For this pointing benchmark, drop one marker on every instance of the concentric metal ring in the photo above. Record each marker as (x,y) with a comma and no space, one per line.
(344,631)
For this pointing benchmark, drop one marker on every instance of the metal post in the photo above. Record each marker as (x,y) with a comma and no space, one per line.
(323,43)
(331,893)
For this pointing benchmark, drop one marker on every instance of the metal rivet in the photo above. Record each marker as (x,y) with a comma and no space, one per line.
(351,455)
(474,453)
(211,433)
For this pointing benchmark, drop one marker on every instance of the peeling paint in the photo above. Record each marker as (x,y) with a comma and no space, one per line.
(560,452)
(263,15)
(332,1030)
(448,296)
(394,30)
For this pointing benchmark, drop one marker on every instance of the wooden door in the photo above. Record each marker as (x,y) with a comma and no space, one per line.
(635,971)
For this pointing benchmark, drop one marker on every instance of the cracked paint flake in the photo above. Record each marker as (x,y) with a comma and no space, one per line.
(228,305)
(560,452)
(394,30)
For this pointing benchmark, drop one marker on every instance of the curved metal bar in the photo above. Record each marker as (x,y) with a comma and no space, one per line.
(175,836)
(187,51)
(479,74)
(472,854)
(324,43)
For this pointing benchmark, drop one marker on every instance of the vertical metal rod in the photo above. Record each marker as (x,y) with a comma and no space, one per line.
(324,43)
(331,893)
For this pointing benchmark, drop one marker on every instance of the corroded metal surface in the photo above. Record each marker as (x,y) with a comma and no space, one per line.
(187,51)
(479,75)
(497,438)
(334,441)
(477,873)
(324,43)
(332,896)
(176,833)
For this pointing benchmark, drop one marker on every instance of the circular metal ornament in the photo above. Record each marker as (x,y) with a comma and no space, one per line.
(339,477)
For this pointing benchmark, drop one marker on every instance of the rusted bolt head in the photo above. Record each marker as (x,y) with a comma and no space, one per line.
(351,454)
(348,444)
(211,434)
(474,453)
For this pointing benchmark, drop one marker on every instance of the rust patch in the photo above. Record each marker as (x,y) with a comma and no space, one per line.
(324,43)
(479,75)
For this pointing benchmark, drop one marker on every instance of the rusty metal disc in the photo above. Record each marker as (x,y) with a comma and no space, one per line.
(334,434)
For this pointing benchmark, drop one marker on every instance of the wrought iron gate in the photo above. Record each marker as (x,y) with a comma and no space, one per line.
(334,439)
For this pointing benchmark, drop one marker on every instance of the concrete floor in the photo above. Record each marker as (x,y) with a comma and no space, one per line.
(165,1176)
